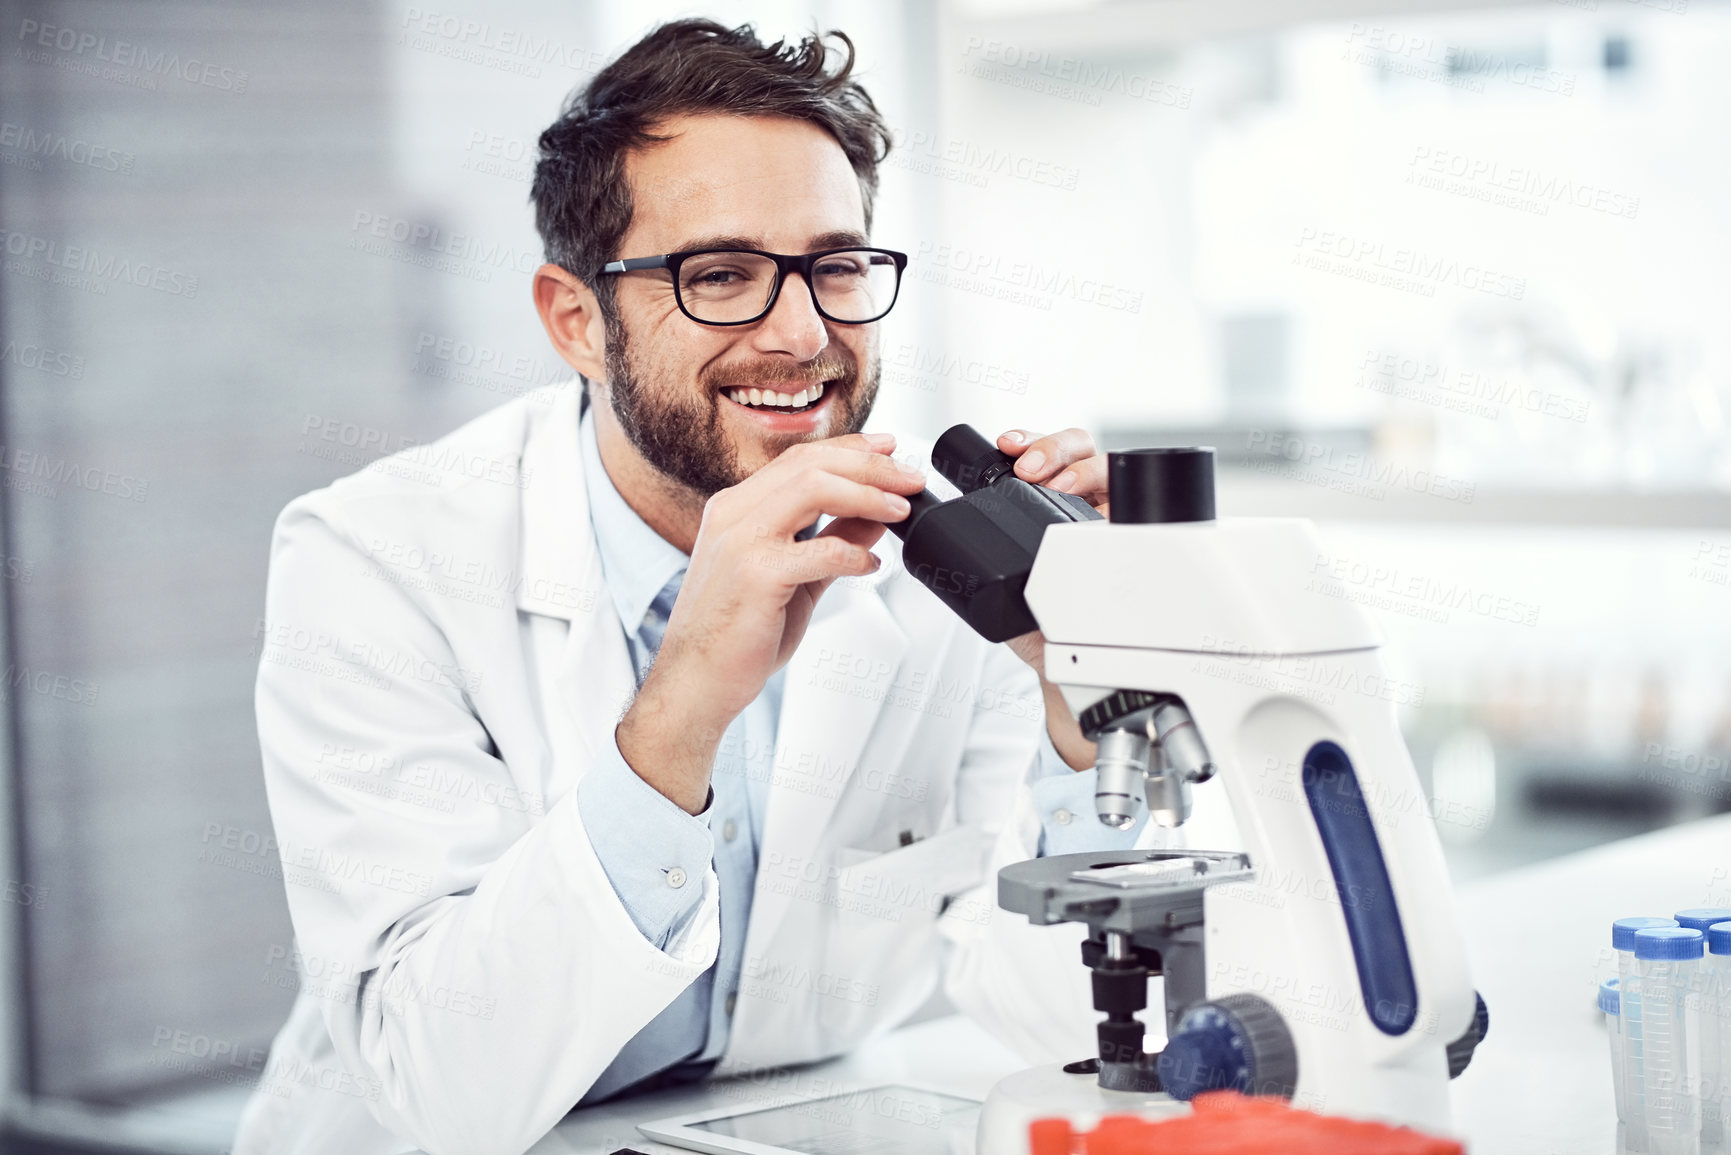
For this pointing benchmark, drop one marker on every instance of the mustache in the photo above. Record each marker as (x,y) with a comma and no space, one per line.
(841,370)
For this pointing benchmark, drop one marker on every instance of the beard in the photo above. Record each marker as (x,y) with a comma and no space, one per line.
(682,436)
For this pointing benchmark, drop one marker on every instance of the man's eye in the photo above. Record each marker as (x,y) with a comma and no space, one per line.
(838,269)
(718,277)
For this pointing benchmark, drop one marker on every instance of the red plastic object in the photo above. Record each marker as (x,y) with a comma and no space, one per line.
(1227,1123)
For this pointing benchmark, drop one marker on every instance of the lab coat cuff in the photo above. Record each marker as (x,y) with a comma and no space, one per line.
(655,854)
(1068,823)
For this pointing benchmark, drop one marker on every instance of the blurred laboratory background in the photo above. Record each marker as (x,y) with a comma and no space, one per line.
(1442,277)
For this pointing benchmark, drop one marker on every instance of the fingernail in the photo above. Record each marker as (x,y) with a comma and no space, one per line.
(1015,437)
(1064,480)
(898,504)
(911,468)
(877,439)
(1031,462)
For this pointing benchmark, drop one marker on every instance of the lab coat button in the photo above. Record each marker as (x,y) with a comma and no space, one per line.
(729,830)
(1062,817)
(676,878)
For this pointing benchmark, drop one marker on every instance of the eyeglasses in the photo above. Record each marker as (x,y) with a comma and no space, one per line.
(739,286)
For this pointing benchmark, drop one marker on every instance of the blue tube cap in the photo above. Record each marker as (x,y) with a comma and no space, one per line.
(1701,917)
(1668,942)
(1623,930)
(1610,997)
(1719,938)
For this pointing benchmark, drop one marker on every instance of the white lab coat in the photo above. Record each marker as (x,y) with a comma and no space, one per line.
(441,663)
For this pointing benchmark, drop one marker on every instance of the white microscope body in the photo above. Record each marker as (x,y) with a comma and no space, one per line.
(1223,615)
(1318,953)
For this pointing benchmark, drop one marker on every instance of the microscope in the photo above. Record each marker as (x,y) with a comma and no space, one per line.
(1319,958)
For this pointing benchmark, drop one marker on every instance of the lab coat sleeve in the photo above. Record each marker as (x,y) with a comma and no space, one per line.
(1025,984)
(495,971)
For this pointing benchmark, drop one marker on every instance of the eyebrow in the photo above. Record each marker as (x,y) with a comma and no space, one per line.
(831,240)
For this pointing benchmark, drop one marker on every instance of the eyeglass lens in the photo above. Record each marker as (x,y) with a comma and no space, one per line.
(721,287)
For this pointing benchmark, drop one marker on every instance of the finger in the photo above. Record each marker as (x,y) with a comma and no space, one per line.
(1084,479)
(855,529)
(870,467)
(1047,455)
(866,442)
(822,559)
(836,482)
(1015,442)
(804,496)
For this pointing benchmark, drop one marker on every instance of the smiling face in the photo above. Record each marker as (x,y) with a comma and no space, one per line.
(682,391)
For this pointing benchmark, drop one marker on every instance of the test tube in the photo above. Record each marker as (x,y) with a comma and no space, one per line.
(1667,960)
(1701,917)
(1623,933)
(1623,942)
(1704,1040)
(1608,1003)
(1715,1045)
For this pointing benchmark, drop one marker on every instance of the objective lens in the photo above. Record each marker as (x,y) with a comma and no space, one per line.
(1181,742)
(1167,792)
(1120,760)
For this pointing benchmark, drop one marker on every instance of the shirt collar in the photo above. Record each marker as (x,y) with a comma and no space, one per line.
(636,562)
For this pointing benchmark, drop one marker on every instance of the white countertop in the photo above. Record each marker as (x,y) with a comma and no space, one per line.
(949,1054)
(1539,940)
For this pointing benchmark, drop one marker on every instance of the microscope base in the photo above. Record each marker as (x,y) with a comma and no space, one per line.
(1049,1092)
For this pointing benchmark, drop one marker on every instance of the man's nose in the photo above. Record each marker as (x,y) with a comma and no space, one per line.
(793,326)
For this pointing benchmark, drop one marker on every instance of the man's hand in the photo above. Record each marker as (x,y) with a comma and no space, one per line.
(1068,462)
(1064,461)
(749,593)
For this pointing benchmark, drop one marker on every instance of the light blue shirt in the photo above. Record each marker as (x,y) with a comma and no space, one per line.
(656,855)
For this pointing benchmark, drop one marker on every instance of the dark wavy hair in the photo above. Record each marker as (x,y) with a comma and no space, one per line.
(582,198)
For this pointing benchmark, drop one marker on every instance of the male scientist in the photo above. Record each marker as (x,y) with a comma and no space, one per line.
(607,744)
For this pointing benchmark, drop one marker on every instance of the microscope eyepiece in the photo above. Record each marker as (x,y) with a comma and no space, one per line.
(967,460)
(975,552)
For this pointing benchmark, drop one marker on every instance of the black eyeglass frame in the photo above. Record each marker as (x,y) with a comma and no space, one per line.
(784,264)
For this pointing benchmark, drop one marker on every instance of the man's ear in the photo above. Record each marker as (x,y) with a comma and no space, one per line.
(572,317)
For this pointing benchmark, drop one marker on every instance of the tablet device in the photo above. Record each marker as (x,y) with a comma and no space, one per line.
(876,1121)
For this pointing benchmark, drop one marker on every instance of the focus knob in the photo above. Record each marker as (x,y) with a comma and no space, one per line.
(1149,486)
(1460,1052)
(1236,1043)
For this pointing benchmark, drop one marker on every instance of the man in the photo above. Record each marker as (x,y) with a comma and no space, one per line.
(593,766)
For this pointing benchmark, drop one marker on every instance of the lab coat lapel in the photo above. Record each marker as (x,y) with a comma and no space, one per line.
(836,685)
(560,577)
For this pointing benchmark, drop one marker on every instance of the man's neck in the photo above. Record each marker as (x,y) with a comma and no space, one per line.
(667,507)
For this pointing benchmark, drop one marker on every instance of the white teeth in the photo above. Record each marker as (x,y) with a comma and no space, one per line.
(806,396)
